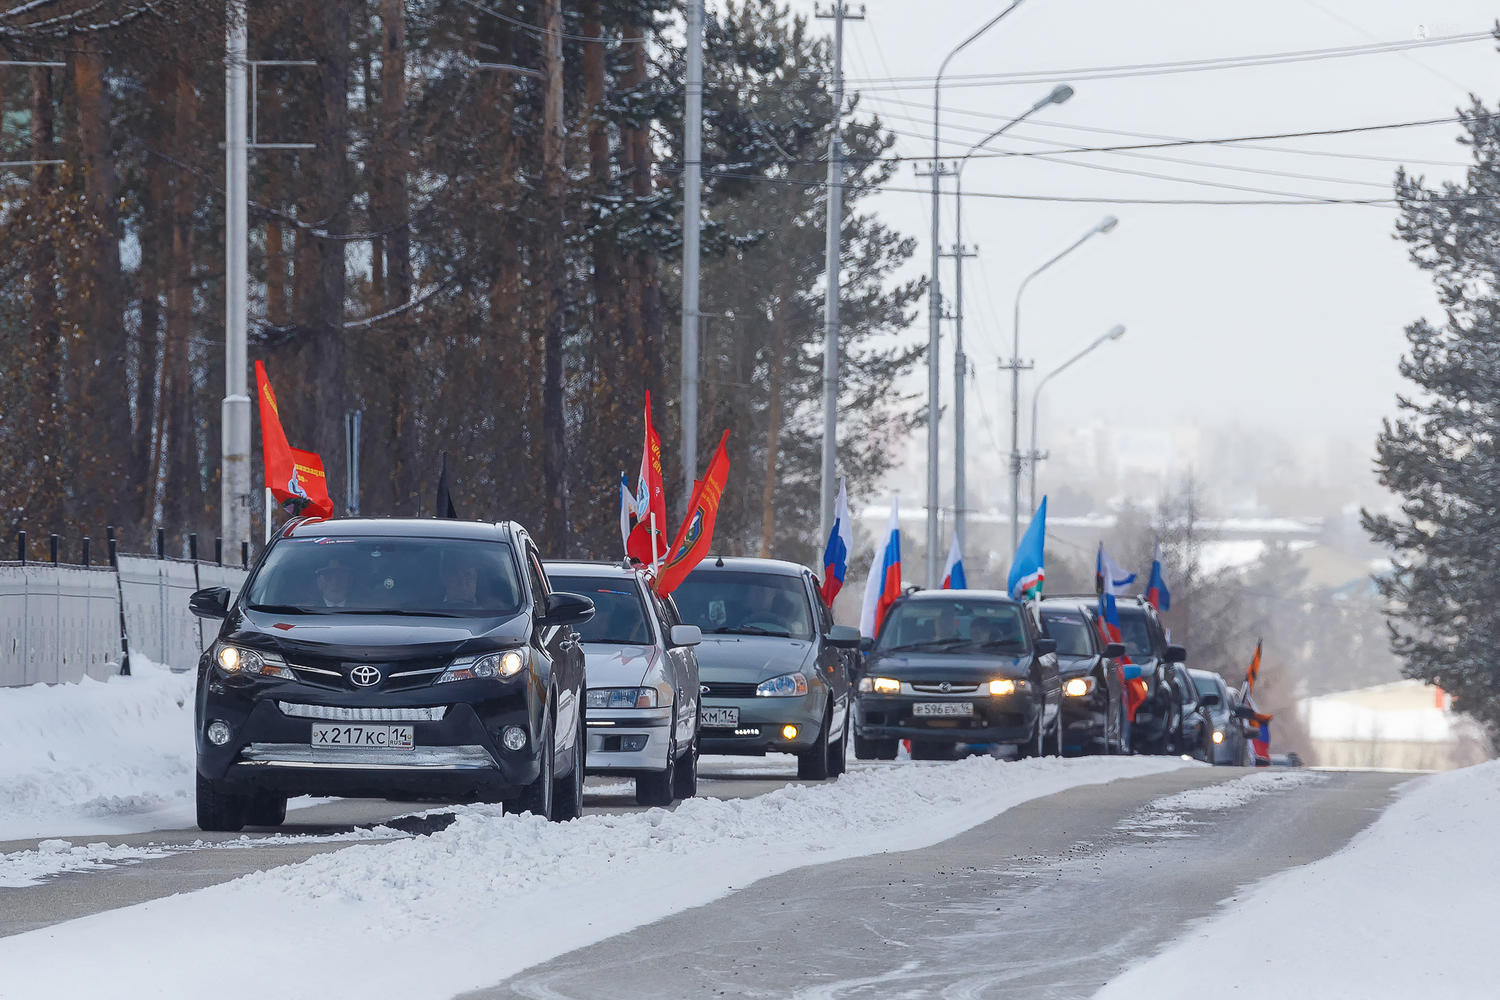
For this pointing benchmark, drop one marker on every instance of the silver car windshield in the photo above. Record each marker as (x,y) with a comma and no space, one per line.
(619,612)
(727,602)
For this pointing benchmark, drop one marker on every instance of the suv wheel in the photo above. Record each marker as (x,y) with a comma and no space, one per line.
(567,794)
(812,763)
(536,798)
(220,812)
(868,749)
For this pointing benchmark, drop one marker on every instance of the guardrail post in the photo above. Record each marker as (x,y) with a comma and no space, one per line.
(218,551)
(114,563)
(52,547)
(161,543)
(244,555)
(86,550)
(21,547)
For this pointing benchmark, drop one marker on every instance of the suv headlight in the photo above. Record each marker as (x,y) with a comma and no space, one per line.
(494,666)
(234,661)
(879,685)
(621,698)
(792,685)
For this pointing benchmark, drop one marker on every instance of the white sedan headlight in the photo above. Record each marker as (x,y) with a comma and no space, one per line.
(621,698)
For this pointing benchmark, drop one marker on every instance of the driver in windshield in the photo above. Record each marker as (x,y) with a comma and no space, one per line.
(333,583)
(947,625)
(460,581)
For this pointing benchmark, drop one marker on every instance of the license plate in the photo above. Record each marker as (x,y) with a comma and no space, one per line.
(721,718)
(371,737)
(942,708)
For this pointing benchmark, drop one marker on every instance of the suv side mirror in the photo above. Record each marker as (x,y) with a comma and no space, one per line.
(866,644)
(1114,650)
(567,609)
(212,602)
(1209,700)
(685,635)
(1176,654)
(1045,645)
(845,637)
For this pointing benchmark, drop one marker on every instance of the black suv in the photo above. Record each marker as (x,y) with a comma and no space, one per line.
(423,659)
(1159,721)
(1092,709)
(955,667)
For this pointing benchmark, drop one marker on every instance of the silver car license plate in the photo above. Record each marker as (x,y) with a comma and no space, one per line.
(940,709)
(364,737)
(721,718)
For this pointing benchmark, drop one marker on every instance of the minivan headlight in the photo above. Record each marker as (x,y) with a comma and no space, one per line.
(793,685)
(493,666)
(880,685)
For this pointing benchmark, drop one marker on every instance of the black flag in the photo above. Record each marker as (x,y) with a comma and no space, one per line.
(444,499)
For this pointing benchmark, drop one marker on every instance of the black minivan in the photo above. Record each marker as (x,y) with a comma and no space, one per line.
(391,658)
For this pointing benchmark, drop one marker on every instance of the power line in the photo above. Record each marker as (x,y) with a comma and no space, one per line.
(1177,66)
(541,32)
(1030,122)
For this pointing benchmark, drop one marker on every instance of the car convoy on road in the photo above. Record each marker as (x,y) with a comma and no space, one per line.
(443,660)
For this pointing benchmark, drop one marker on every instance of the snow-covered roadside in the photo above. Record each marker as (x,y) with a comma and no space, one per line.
(1170,815)
(492,895)
(1405,910)
(97,757)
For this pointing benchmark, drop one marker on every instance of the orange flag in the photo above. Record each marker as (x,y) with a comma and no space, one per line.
(1254,671)
(294,477)
(697,531)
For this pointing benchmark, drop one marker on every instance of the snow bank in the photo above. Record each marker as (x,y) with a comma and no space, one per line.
(97,757)
(1405,910)
(493,894)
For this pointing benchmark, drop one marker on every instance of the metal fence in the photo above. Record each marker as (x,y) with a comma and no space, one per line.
(62,623)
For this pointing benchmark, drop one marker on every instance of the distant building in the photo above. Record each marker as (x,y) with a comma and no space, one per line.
(1404,725)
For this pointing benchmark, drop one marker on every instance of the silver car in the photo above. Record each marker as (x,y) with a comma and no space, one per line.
(642,677)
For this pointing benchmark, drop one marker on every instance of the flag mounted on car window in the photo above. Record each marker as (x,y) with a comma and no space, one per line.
(1156,587)
(954,577)
(836,552)
(647,543)
(1028,569)
(445,508)
(697,531)
(884,584)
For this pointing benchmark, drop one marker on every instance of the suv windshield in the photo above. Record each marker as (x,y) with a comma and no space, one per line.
(957,626)
(1136,635)
(619,614)
(1208,685)
(433,577)
(742,603)
(1071,633)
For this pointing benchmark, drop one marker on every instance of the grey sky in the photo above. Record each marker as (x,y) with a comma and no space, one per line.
(1283,317)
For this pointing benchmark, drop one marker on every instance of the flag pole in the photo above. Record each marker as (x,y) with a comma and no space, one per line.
(654,569)
(268,515)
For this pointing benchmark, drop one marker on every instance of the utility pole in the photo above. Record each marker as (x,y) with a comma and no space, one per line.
(234,485)
(839,13)
(959,253)
(692,178)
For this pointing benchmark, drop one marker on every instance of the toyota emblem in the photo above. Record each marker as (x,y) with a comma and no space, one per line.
(945,687)
(364,676)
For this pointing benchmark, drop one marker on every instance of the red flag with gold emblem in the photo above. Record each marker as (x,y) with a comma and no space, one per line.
(295,478)
(697,531)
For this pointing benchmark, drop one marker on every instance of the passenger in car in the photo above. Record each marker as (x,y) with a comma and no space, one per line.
(333,583)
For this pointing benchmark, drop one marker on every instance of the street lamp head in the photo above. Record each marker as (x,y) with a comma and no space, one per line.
(1109,222)
(1060,94)
(1116,332)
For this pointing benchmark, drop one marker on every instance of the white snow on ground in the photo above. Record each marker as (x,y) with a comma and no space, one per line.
(494,894)
(97,757)
(1405,910)
(1229,794)
(60,857)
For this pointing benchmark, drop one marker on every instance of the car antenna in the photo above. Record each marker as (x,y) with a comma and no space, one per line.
(719,563)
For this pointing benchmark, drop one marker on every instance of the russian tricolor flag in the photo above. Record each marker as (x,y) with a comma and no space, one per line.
(1157,593)
(884,585)
(836,552)
(953,572)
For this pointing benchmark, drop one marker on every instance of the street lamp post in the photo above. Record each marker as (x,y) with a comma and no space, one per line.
(1105,225)
(935,301)
(1059,95)
(1115,333)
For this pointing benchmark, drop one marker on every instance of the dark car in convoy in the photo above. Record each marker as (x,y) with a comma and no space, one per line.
(1193,734)
(775,669)
(1228,744)
(955,667)
(643,683)
(1092,710)
(1158,721)
(395,658)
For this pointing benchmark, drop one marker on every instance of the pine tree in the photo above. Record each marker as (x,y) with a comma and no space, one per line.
(1441,455)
